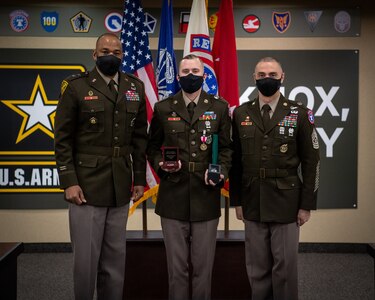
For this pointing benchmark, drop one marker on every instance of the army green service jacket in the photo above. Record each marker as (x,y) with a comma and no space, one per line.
(265,178)
(184,195)
(100,141)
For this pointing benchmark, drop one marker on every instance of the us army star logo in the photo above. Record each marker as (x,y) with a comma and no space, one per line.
(38,112)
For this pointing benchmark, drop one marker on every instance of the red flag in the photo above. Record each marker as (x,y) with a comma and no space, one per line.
(225,55)
(225,60)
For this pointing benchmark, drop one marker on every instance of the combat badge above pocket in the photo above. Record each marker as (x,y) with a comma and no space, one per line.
(210,126)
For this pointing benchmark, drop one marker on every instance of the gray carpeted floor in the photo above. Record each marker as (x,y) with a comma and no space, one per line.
(47,276)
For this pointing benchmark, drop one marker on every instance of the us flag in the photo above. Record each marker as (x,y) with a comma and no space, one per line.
(137,59)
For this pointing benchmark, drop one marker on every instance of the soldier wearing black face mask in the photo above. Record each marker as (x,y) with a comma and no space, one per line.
(189,204)
(100,143)
(273,137)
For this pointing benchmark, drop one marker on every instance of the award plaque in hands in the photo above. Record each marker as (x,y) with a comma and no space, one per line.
(170,157)
(213,173)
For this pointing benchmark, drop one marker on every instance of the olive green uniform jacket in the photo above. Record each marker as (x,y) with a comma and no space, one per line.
(184,195)
(265,178)
(100,141)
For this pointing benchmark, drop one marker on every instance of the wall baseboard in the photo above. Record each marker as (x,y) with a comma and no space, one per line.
(231,237)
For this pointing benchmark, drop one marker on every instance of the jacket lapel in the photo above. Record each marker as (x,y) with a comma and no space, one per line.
(98,83)
(253,110)
(177,104)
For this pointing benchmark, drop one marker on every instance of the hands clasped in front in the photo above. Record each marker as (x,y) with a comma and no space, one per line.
(178,168)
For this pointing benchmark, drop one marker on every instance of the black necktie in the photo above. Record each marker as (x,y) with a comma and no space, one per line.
(112,88)
(190,109)
(266,115)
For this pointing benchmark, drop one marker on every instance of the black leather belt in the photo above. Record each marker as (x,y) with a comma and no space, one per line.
(267,173)
(104,151)
(194,166)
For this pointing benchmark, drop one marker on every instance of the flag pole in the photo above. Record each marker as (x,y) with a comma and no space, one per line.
(144,218)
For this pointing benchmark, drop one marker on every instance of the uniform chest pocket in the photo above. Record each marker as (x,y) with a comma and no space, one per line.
(132,107)
(247,139)
(131,113)
(93,116)
(175,134)
(211,126)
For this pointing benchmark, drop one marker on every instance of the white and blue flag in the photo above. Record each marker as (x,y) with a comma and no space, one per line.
(166,70)
(197,42)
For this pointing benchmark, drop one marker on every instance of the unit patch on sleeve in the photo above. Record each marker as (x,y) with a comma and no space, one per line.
(311,116)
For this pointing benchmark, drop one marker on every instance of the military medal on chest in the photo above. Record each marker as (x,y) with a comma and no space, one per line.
(203,146)
(208,125)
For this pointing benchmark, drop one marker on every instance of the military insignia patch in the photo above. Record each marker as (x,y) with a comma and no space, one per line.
(19,20)
(81,22)
(311,116)
(49,20)
(312,18)
(64,85)
(281,21)
(251,23)
(284,148)
(314,138)
(93,120)
(246,122)
(174,119)
(342,21)
(317,176)
(291,131)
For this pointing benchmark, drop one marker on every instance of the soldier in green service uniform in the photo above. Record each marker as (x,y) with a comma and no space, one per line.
(188,203)
(274,181)
(100,143)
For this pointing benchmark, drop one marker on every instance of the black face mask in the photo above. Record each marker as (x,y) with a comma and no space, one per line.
(108,64)
(191,83)
(268,86)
